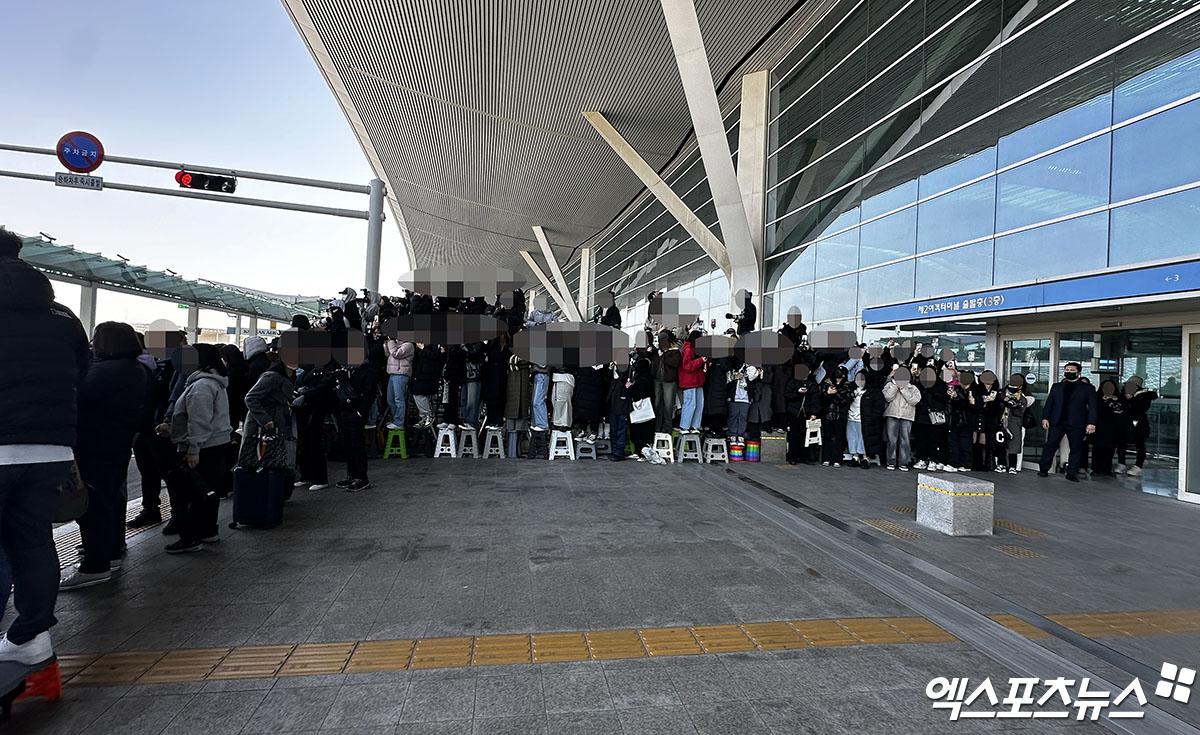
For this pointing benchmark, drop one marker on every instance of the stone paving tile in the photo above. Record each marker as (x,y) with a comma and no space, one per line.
(503,696)
(642,687)
(726,718)
(523,725)
(450,727)
(576,690)
(365,705)
(439,699)
(585,723)
(216,712)
(656,721)
(134,715)
(291,710)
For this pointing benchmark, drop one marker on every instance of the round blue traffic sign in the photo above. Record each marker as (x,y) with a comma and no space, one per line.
(80,152)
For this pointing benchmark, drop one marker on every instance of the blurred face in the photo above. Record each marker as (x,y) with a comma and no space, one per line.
(988,379)
(928,377)
(1108,389)
(801,372)
(966,377)
(903,377)
(949,375)
(795,318)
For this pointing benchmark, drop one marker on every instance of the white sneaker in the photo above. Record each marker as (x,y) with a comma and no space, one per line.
(964,469)
(1135,471)
(920,465)
(77,580)
(649,453)
(443,425)
(891,467)
(538,428)
(29,653)
(902,468)
(391,426)
(300,483)
(318,487)
(949,468)
(590,438)
(1012,470)
(1121,469)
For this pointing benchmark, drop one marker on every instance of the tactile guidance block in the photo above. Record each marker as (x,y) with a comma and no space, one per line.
(956,506)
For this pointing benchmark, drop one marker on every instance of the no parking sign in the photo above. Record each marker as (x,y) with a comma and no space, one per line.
(80,152)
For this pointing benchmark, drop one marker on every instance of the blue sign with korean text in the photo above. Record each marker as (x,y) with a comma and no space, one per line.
(80,152)
(1166,279)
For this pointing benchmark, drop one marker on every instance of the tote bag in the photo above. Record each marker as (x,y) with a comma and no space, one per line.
(643,411)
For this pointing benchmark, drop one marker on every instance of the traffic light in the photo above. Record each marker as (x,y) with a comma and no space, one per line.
(208,182)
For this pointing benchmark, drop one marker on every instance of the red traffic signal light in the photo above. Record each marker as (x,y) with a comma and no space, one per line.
(208,182)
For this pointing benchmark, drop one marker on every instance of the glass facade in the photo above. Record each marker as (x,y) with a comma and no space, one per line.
(960,145)
(928,147)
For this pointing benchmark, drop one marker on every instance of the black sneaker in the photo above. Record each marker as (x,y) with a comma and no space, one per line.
(170,529)
(617,457)
(357,486)
(147,517)
(184,547)
(1042,473)
(1072,478)
(343,484)
(864,463)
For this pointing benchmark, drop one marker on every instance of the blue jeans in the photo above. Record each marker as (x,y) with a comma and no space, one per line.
(616,423)
(693,409)
(541,387)
(469,406)
(397,398)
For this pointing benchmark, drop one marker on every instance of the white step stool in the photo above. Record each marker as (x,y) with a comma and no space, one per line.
(664,448)
(493,445)
(562,444)
(445,443)
(716,449)
(689,447)
(464,445)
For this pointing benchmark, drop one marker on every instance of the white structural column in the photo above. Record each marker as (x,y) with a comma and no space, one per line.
(565,298)
(237,331)
(87,308)
(696,74)
(375,235)
(752,155)
(253,331)
(193,324)
(585,279)
(560,299)
(663,192)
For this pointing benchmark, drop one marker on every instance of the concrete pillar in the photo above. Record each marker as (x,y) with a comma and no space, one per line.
(253,327)
(87,307)
(375,235)
(193,323)
(585,281)
(753,131)
(993,349)
(237,332)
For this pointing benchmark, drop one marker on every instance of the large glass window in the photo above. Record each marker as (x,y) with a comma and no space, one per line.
(837,254)
(835,298)
(1072,180)
(961,215)
(1156,229)
(1146,155)
(1072,246)
(888,238)
(955,271)
(886,285)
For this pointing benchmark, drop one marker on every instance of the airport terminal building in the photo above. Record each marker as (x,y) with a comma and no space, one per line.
(1016,179)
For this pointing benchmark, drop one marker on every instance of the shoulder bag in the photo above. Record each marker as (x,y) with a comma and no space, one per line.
(643,411)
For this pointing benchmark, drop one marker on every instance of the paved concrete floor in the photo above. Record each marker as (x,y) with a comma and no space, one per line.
(446,548)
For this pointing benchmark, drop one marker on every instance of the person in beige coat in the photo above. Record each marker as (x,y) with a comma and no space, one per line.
(902,398)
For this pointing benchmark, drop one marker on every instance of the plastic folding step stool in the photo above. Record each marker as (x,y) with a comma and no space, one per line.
(664,447)
(397,444)
(586,449)
(689,447)
(562,444)
(716,449)
(493,443)
(445,443)
(468,441)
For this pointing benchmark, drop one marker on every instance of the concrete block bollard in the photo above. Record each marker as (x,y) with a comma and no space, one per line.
(956,505)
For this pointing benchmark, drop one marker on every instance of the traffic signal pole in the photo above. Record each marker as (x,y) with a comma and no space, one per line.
(374,215)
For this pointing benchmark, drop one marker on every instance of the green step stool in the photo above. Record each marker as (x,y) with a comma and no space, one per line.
(397,443)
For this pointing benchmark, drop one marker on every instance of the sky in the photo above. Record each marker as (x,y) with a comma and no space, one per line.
(225,83)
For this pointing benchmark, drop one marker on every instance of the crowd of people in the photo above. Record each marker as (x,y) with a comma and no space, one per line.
(77,407)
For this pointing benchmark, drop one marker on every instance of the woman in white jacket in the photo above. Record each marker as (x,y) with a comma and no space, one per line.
(902,398)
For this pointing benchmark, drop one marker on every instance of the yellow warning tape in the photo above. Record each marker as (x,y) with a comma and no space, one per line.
(947,492)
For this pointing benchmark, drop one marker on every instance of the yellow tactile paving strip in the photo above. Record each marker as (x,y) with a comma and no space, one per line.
(189,665)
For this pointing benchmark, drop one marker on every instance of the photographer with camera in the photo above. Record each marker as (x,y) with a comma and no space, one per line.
(748,316)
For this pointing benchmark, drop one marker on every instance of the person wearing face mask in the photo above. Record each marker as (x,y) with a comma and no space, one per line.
(1016,400)
(1112,418)
(1138,429)
(1070,411)
(854,433)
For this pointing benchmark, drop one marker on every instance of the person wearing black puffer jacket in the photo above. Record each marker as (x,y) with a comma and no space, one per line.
(43,359)
(836,394)
(803,403)
(426,381)
(932,428)
(110,412)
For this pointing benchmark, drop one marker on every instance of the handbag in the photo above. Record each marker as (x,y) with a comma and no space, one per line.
(72,499)
(268,450)
(643,411)
(1027,419)
(937,418)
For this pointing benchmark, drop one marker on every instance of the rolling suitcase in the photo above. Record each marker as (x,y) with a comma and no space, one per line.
(258,496)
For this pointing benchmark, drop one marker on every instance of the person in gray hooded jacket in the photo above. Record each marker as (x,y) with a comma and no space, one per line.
(200,431)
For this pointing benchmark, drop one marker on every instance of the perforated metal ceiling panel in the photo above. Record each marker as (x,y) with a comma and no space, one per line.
(471,108)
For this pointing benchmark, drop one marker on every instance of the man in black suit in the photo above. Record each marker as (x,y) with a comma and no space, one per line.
(1070,410)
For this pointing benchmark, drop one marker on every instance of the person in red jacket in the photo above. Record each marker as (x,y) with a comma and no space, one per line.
(691,381)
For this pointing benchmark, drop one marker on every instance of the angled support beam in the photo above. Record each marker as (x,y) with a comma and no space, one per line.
(661,191)
(696,74)
(752,155)
(564,292)
(550,289)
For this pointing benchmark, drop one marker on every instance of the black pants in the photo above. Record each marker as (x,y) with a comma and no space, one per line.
(931,443)
(714,422)
(152,453)
(28,497)
(350,433)
(1102,459)
(958,446)
(102,525)
(1139,447)
(642,435)
(616,424)
(797,429)
(1054,437)
(833,440)
(194,500)
(311,446)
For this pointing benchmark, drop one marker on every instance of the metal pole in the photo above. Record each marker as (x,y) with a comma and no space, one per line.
(207,196)
(297,180)
(87,308)
(375,235)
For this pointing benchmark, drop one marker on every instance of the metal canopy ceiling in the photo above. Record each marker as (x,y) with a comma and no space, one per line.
(67,263)
(471,110)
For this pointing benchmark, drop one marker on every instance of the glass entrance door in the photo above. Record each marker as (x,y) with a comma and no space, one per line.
(1189,488)
(1031,358)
